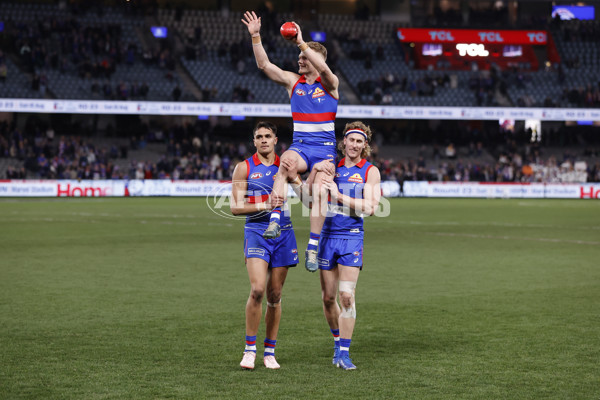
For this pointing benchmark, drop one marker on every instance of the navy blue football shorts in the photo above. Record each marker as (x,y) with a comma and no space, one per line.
(314,152)
(337,251)
(280,252)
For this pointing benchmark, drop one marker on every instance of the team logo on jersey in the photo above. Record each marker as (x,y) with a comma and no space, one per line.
(258,175)
(300,92)
(356,178)
(337,175)
(357,253)
(294,251)
(318,93)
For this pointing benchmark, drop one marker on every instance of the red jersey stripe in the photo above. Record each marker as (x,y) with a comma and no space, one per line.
(257,199)
(322,117)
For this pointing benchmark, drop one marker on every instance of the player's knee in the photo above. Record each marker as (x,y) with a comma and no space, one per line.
(286,157)
(257,294)
(274,296)
(328,299)
(346,299)
(346,289)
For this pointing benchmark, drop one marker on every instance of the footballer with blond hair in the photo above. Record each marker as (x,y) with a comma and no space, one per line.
(355,192)
(313,93)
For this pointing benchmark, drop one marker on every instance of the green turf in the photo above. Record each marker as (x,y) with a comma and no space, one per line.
(144,298)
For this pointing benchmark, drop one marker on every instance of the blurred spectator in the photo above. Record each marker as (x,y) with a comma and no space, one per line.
(3,72)
(450,151)
(176,93)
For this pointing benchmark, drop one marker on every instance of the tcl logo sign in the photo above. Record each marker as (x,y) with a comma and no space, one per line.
(427,35)
(86,191)
(491,37)
(442,36)
(539,37)
(473,50)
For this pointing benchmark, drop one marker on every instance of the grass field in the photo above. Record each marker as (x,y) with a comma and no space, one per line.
(143,298)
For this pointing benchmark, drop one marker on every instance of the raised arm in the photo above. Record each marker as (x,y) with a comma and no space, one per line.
(286,79)
(239,187)
(371,194)
(329,80)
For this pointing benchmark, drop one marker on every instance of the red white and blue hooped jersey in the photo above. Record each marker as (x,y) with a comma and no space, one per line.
(260,185)
(341,222)
(313,112)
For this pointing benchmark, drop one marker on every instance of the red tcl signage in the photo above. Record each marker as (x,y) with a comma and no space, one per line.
(424,35)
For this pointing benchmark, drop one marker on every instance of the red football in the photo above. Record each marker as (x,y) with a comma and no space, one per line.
(288,30)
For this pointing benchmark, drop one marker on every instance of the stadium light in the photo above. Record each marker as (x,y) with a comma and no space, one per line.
(159,32)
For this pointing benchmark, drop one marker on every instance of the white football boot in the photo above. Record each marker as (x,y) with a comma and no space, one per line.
(248,360)
(271,363)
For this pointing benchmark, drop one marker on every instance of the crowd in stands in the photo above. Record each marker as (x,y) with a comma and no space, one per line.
(45,156)
(575,30)
(191,153)
(94,52)
(512,167)
(583,97)
(3,67)
(191,158)
(91,52)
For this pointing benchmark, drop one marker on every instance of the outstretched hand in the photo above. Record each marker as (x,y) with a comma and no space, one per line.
(298,38)
(252,22)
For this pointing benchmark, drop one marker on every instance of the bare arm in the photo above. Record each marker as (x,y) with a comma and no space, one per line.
(238,203)
(371,194)
(329,80)
(286,79)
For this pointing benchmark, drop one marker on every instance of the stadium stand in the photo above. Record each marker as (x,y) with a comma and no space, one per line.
(78,52)
(87,54)
(103,53)
(16,84)
(196,152)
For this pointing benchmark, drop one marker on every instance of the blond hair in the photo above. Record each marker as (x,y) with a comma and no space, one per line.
(366,152)
(319,48)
